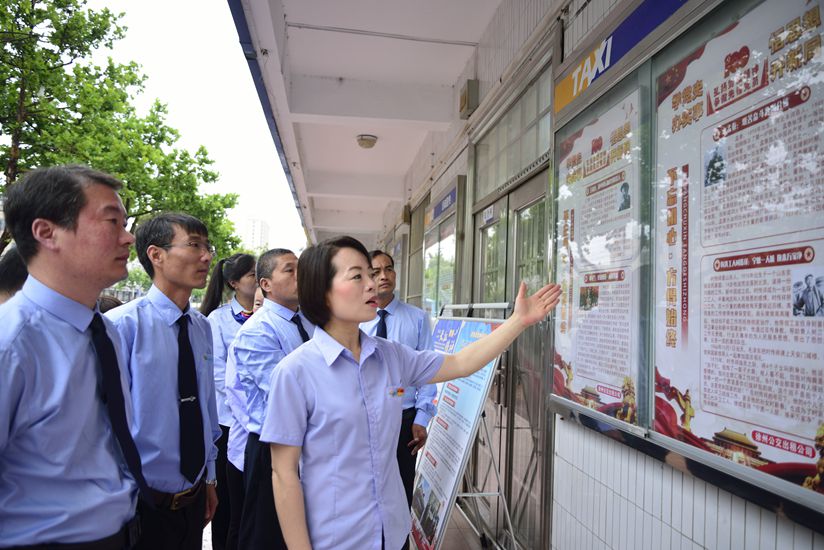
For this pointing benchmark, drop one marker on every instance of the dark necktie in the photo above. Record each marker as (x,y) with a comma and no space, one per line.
(242,316)
(303,334)
(192,448)
(382,313)
(115,405)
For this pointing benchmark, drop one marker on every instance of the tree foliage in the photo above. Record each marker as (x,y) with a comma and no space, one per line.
(57,107)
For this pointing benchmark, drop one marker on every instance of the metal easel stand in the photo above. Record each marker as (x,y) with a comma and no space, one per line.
(499,493)
(473,496)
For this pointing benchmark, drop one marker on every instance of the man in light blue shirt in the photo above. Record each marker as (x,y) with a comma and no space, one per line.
(409,325)
(169,347)
(274,331)
(67,460)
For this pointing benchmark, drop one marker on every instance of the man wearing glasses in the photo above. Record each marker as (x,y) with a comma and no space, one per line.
(169,347)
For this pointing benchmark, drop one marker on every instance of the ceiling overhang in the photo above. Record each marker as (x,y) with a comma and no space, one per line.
(331,71)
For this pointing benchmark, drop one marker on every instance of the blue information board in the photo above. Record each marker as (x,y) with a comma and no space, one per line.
(451,433)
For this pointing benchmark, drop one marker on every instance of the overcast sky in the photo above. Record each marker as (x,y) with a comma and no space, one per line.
(189,50)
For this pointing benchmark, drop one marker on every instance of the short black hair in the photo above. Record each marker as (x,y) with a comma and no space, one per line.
(375,253)
(13,271)
(160,230)
(624,186)
(267,263)
(315,274)
(56,194)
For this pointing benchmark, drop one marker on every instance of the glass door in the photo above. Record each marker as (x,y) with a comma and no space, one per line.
(446,263)
(511,246)
(491,228)
(527,365)
(439,248)
(429,297)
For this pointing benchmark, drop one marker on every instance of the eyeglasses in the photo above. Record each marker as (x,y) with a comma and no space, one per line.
(198,246)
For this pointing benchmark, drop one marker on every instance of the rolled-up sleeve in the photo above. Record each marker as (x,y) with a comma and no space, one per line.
(255,357)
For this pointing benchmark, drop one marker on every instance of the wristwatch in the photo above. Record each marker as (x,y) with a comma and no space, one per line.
(212,482)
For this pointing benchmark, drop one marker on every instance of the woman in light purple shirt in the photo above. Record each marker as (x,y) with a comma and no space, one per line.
(236,274)
(334,408)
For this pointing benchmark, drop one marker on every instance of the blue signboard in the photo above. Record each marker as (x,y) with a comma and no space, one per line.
(445,335)
(640,23)
(445,203)
(451,434)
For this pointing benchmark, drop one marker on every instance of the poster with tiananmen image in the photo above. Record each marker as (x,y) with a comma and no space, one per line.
(738,273)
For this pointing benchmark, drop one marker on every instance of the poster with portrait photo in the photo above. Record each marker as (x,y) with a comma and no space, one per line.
(623,197)
(598,266)
(739,241)
(588,296)
(808,292)
(715,164)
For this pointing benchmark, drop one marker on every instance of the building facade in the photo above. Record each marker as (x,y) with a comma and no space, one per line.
(662,161)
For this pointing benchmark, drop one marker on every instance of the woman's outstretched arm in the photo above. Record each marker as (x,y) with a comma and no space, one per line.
(527,312)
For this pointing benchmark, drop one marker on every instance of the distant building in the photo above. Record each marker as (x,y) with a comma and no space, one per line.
(256,234)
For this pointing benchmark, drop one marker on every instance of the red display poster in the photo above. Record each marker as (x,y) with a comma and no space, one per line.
(739,244)
(596,329)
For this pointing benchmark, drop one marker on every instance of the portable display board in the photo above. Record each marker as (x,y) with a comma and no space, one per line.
(738,333)
(451,434)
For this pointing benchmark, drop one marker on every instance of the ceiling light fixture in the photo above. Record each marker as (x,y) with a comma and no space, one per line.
(367,141)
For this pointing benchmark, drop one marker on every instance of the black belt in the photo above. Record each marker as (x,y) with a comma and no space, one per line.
(126,538)
(177,501)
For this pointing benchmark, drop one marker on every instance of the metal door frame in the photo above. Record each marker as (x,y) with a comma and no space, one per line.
(498,392)
(530,193)
(508,205)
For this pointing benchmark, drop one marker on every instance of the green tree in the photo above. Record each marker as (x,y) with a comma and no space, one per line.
(57,107)
(137,278)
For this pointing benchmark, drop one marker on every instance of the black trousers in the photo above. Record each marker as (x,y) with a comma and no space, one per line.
(259,525)
(220,523)
(406,460)
(164,529)
(236,489)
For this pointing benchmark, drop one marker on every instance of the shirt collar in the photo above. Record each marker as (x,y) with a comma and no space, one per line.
(331,349)
(281,311)
(66,309)
(392,306)
(168,310)
(235,305)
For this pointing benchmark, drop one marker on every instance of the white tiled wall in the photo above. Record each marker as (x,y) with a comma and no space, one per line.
(512,24)
(607,495)
(509,29)
(582,17)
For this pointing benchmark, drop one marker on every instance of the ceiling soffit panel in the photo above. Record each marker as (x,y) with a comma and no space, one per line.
(386,68)
(460,20)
